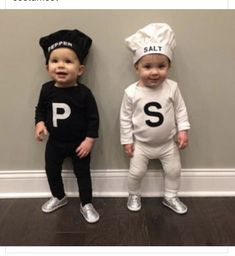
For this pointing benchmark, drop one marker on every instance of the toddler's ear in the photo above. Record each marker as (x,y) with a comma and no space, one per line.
(136,67)
(81,70)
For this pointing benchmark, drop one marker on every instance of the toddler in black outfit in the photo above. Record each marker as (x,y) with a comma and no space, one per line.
(68,111)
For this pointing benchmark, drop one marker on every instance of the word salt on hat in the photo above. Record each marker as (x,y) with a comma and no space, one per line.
(76,40)
(151,39)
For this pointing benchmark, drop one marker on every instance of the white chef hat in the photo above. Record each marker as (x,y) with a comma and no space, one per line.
(153,38)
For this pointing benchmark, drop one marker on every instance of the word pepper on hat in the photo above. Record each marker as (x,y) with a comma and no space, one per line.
(151,39)
(73,39)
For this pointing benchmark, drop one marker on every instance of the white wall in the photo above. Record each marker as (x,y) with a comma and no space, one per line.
(203,65)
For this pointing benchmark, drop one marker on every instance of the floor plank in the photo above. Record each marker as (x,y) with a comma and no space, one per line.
(209,221)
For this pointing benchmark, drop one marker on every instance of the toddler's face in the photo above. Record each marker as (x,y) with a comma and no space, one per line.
(152,69)
(64,67)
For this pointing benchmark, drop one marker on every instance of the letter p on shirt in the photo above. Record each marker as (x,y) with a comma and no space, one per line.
(60,116)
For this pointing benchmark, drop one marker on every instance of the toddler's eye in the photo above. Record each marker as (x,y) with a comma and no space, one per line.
(68,61)
(147,66)
(162,66)
(53,60)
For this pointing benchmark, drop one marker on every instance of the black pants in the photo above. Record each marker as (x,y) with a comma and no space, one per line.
(55,154)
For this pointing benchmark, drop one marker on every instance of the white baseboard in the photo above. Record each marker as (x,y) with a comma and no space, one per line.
(113,183)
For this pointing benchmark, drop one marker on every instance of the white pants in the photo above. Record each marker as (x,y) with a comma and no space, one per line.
(169,156)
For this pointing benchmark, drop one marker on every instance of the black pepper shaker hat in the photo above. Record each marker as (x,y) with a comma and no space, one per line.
(73,39)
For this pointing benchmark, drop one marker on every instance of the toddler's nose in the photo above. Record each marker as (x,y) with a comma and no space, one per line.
(155,71)
(61,64)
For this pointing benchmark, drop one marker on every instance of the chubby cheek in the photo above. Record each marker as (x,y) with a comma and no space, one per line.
(145,75)
(164,75)
(51,73)
(50,69)
(74,73)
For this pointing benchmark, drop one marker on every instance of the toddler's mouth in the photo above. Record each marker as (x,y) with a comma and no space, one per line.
(60,73)
(154,80)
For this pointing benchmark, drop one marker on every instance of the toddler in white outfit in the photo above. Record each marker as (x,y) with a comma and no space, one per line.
(152,113)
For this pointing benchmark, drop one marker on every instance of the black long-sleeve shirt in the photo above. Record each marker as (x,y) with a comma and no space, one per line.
(70,114)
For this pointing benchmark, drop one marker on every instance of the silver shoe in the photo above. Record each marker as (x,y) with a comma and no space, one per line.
(175,204)
(53,204)
(134,202)
(89,213)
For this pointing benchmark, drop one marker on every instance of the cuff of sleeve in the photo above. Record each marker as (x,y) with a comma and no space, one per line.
(92,135)
(183,127)
(124,141)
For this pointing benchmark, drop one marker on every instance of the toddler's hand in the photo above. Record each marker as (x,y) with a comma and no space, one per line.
(40,131)
(129,149)
(85,147)
(182,139)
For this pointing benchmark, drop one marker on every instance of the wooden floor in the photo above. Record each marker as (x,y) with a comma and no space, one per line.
(209,221)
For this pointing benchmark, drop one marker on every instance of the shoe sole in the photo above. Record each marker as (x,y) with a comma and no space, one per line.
(165,204)
(134,209)
(56,208)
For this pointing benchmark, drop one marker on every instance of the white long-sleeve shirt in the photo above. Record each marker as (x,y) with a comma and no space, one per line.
(152,115)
